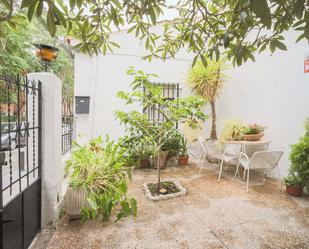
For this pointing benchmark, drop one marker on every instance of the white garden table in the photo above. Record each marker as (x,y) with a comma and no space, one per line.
(247,145)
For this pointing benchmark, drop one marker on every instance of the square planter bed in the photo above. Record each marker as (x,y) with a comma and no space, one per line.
(173,189)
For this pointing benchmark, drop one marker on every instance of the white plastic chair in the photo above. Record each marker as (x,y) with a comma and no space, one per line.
(231,153)
(265,160)
(210,149)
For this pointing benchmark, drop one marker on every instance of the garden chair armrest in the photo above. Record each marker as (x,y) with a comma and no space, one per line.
(244,156)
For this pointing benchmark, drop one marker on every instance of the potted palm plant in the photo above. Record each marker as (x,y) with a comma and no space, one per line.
(183,158)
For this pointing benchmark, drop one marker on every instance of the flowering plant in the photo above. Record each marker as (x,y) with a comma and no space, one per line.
(253,129)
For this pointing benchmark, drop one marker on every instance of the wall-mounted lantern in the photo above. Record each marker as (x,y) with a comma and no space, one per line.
(46,54)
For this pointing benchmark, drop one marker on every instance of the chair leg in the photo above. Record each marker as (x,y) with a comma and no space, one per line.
(279,177)
(248,180)
(202,165)
(244,174)
(220,171)
(237,170)
(227,165)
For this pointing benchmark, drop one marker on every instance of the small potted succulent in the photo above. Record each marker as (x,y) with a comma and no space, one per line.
(293,184)
(253,132)
(183,158)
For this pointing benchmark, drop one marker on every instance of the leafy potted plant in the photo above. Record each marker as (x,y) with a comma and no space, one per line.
(233,130)
(98,181)
(183,158)
(172,145)
(294,185)
(299,157)
(144,155)
(161,156)
(253,132)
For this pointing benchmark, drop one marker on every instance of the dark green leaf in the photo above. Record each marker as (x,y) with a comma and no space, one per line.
(27,3)
(31,11)
(299,8)
(261,9)
(51,23)
(39,9)
(153,17)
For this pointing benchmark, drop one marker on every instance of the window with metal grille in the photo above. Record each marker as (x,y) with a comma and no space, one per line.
(170,91)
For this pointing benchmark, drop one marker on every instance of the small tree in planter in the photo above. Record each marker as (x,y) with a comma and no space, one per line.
(150,96)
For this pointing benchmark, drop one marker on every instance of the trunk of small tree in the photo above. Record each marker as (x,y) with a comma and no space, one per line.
(158,162)
(158,171)
(213,134)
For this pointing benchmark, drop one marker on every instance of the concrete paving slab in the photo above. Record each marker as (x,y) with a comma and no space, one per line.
(211,215)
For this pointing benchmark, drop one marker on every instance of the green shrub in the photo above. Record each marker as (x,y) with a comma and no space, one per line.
(299,157)
(99,168)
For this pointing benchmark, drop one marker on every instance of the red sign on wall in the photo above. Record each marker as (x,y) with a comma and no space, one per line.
(306,63)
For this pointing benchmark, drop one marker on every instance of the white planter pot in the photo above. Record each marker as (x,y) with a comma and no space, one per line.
(75,200)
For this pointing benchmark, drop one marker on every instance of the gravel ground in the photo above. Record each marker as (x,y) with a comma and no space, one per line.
(211,215)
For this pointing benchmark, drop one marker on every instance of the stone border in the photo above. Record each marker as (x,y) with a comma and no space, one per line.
(149,196)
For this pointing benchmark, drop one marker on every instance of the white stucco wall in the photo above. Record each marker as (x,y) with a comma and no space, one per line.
(273,91)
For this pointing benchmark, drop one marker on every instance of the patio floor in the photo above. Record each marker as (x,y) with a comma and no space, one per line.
(211,215)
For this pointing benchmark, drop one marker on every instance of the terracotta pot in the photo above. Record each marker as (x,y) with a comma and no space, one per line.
(162,160)
(294,190)
(253,137)
(182,161)
(144,163)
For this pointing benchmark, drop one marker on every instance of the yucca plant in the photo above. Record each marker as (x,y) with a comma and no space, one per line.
(207,81)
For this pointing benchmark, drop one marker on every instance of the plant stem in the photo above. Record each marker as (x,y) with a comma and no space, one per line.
(158,162)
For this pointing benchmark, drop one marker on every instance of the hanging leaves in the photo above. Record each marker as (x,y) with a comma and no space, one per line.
(235,27)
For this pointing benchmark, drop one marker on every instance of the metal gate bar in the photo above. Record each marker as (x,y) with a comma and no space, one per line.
(20,122)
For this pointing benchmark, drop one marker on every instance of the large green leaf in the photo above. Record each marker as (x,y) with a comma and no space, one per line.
(261,9)
(27,3)
(31,10)
(51,22)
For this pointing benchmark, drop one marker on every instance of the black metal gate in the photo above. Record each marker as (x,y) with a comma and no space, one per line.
(20,161)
